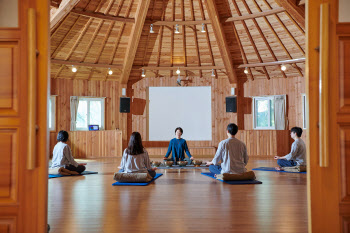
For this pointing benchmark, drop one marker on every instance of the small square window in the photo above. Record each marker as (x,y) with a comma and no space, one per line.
(264,113)
(52,113)
(90,112)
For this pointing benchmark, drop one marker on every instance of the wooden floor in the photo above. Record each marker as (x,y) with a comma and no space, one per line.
(179,201)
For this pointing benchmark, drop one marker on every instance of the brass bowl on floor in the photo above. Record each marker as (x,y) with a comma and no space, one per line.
(156,163)
(182,163)
(168,163)
(197,163)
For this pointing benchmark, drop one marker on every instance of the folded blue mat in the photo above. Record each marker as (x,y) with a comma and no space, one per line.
(232,181)
(137,184)
(83,173)
(272,169)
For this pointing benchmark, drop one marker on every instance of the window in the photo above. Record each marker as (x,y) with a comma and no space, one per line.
(52,113)
(303,96)
(90,112)
(264,112)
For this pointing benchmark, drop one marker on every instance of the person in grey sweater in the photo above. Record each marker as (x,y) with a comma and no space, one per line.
(135,157)
(297,155)
(232,153)
(62,155)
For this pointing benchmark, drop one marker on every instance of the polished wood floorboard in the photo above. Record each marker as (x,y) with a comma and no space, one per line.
(179,201)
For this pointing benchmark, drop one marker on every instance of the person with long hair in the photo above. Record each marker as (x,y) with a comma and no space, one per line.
(135,157)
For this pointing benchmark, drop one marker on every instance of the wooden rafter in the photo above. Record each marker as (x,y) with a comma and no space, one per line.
(207,36)
(263,36)
(65,7)
(285,28)
(277,37)
(255,15)
(173,23)
(148,37)
(77,63)
(195,38)
(161,36)
(221,41)
(183,34)
(251,39)
(172,36)
(182,67)
(135,35)
(98,15)
(296,11)
(274,63)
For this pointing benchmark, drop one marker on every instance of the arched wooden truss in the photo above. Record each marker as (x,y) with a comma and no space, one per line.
(95,35)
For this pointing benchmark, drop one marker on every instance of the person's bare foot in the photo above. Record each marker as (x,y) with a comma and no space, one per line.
(214,175)
(279,168)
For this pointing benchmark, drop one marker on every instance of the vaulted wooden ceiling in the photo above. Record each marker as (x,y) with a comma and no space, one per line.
(95,35)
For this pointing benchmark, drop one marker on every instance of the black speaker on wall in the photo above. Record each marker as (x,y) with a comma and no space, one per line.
(231,104)
(124,104)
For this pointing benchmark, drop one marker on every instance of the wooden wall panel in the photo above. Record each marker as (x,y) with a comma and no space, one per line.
(92,144)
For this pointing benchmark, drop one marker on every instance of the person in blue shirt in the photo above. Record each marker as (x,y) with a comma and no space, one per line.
(177,147)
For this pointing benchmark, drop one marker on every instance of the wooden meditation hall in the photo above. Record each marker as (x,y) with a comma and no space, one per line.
(83,82)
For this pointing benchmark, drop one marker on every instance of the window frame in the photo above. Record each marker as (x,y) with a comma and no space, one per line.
(52,98)
(303,106)
(254,115)
(84,98)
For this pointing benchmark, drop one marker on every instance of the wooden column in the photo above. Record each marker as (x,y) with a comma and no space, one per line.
(123,118)
(239,91)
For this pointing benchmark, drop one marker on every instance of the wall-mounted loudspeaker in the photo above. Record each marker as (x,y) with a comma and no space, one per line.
(231,104)
(124,104)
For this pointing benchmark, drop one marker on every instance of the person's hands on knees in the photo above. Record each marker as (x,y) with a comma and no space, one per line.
(191,158)
(154,168)
(82,164)
(209,163)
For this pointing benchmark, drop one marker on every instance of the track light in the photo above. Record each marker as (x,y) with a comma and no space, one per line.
(143,73)
(212,73)
(74,69)
(283,67)
(151,29)
(110,72)
(203,28)
(178,71)
(177,29)
(246,71)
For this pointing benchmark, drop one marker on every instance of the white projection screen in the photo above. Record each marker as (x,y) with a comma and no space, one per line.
(185,107)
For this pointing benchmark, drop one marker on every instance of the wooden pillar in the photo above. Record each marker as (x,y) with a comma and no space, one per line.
(123,124)
(239,92)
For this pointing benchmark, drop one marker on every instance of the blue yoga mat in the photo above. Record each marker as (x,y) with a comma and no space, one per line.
(83,173)
(232,181)
(272,169)
(137,184)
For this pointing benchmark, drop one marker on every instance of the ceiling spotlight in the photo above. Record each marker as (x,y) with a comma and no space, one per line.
(178,71)
(246,71)
(283,67)
(110,72)
(212,73)
(74,69)
(177,29)
(203,28)
(143,73)
(151,29)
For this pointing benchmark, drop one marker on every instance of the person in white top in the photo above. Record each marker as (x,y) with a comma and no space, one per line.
(231,152)
(135,157)
(297,155)
(62,155)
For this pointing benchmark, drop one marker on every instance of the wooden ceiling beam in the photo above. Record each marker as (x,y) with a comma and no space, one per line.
(255,15)
(274,63)
(221,40)
(65,7)
(98,15)
(135,35)
(182,68)
(76,63)
(173,23)
(296,11)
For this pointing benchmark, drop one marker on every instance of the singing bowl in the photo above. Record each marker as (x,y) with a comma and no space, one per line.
(182,163)
(156,163)
(197,163)
(168,163)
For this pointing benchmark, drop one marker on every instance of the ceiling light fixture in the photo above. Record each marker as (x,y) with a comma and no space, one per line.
(212,73)
(143,73)
(246,71)
(74,69)
(110,72)
(177,29)
(151,29)
(178,71)
(203,28)
(283,67)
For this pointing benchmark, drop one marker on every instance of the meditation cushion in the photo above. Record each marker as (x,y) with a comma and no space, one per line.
(295,169)
(132,177)
(62,171)
(244,176)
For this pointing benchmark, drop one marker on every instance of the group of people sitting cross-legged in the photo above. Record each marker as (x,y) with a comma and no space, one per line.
(231,155)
